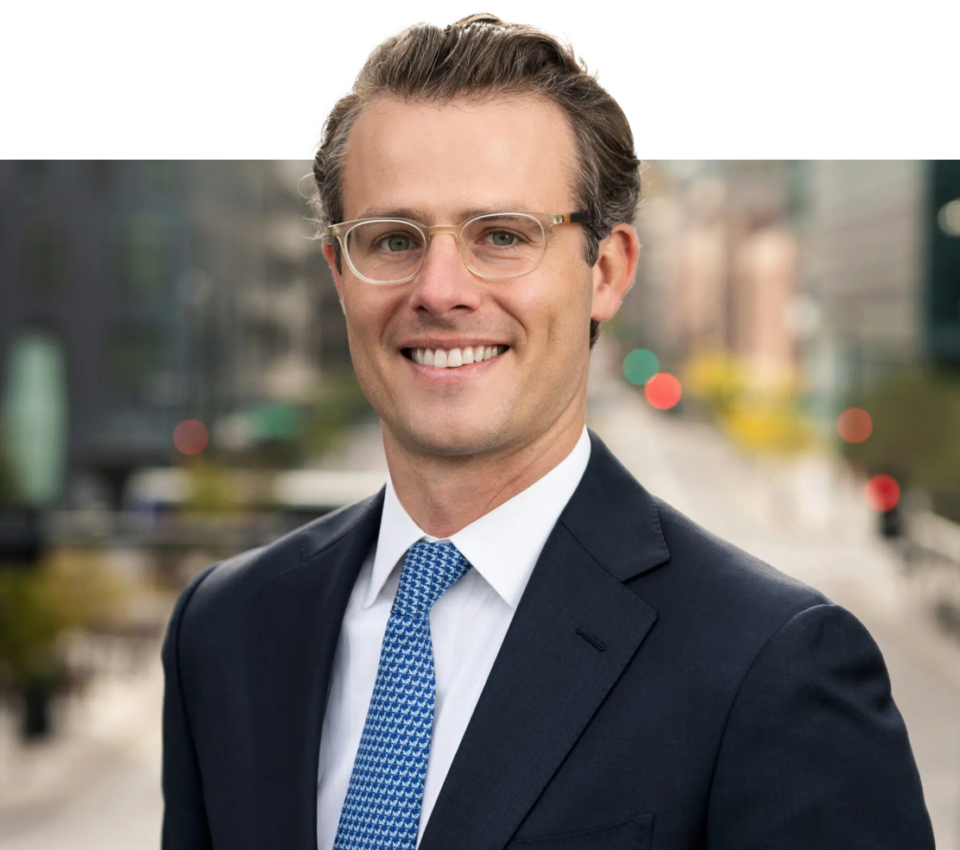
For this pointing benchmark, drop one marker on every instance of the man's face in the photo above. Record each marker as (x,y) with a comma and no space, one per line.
(439,165)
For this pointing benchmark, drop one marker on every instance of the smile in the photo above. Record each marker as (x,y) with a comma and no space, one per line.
(453,358)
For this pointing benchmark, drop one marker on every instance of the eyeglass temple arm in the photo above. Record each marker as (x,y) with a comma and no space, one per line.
(581,217)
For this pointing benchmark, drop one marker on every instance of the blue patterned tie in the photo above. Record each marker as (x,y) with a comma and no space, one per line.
(382,808)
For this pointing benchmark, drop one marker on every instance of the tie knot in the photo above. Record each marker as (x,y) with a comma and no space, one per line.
(429,569)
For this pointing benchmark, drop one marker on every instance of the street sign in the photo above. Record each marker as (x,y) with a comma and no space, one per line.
(35,419)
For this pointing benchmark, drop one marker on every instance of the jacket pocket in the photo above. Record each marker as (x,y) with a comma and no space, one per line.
(634,834)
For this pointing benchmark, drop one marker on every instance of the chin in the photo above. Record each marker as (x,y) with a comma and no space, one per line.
(452,436)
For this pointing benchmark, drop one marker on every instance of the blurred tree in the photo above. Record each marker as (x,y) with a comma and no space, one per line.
(770,424)
(760,416)
(716,378)
(69,591)
(212,491)
(916,423)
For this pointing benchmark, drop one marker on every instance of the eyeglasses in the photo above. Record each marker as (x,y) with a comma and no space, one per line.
(493,245)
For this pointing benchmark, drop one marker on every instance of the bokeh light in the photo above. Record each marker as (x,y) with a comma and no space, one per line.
(949,218)
(190,437)
(640,365)
(883,492)
(663,391)
(854,425)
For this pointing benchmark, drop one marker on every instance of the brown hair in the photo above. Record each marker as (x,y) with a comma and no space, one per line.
(482,56)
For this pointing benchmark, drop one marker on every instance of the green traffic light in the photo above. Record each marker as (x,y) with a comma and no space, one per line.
(640,365)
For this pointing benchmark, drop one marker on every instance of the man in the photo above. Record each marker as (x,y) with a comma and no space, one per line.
(513,644)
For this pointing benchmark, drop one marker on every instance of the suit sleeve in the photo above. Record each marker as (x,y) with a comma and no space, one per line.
(815,753)
(185,824)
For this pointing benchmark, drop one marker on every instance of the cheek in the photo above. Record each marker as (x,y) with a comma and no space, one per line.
(367,315)
(364,332)
(555,309)
(356,338)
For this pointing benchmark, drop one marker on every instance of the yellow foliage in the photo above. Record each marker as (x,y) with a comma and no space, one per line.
(774,427)
(756,405)
(715,377)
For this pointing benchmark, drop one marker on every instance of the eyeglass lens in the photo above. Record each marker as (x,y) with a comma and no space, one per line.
(500,245)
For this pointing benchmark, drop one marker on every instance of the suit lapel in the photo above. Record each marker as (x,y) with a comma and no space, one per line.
(294,632)
(575,630)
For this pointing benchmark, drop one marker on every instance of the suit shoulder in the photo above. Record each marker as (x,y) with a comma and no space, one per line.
(229,583)
(726,577)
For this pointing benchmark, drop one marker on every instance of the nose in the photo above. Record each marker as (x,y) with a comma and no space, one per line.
(444,284)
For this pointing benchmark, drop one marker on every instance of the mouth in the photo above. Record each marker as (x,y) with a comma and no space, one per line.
(453,358)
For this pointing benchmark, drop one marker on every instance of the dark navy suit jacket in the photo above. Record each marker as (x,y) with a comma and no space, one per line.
(658,688)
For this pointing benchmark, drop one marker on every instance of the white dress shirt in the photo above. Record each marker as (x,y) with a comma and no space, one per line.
(468,624)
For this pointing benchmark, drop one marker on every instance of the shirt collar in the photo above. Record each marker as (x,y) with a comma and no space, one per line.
(502,546)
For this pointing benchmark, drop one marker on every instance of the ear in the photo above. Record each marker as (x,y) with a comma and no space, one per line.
(330,254)
(614,271)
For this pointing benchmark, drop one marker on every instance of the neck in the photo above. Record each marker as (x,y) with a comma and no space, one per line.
(444,494)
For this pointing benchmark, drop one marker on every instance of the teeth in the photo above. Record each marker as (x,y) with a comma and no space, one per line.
(441,358)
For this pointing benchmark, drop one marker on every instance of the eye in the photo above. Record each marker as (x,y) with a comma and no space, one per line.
(503,238)
(396,242)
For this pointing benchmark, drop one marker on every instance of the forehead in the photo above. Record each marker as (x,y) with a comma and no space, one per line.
(444,159)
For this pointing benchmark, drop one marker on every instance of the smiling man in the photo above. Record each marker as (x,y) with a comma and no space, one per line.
(453,248)
(513,644)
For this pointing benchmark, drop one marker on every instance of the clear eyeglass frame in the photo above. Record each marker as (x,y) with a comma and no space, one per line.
(341,231)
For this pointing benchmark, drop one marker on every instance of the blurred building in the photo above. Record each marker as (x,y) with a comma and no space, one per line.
(864,270)
(882,269)
(167,291)
(840,270)
(719,265)
(941,222)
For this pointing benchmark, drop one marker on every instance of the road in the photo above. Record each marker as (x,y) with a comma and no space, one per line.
(798,518)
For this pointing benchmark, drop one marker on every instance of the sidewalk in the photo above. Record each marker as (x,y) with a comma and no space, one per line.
(93,731)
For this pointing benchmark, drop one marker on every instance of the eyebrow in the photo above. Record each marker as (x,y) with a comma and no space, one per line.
(423,215)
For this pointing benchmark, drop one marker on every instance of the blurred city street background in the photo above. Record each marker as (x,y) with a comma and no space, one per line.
(175,387)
